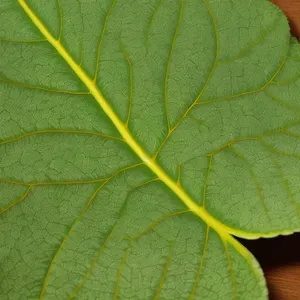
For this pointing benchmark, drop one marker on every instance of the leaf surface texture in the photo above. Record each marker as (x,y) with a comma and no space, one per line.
(139,137)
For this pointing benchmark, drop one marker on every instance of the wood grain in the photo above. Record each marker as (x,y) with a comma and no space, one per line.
(280,260)
(284,282)
(292,10)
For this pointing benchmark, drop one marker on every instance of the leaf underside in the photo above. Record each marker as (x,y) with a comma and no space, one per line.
(136,139)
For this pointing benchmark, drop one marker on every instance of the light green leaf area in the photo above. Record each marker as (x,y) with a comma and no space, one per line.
(137,138)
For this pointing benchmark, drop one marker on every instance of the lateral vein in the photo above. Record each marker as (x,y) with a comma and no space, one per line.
(223,230)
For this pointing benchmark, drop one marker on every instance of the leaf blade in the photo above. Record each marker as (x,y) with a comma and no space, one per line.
(126,258)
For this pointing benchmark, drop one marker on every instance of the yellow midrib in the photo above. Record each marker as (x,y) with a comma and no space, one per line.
(222,229)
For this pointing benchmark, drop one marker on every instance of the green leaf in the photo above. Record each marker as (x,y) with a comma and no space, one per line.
(137,139)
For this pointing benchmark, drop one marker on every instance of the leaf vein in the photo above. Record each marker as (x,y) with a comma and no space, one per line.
(46,279)
(42,88)
(203,88)
(253,138)
(23,41)
(197,279)
(17,201)
(255,181)
(128,60)
(169,62)
(260,39)
(286,186)
(101,39)
(119,274)
(233,279)
(282,103)
(165,271)
(60,20)
(95,260)
(247,92)
(206,179)
(63,131)
(152,21)
(157,222)
(220,228)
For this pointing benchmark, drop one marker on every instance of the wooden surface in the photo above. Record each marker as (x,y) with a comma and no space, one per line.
(280,260)
(292,10)
(284,282)
(280,257)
